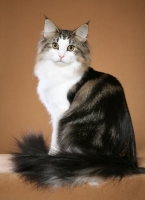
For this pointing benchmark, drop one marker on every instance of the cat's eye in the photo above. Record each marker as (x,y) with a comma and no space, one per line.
(70,47)
(55,45)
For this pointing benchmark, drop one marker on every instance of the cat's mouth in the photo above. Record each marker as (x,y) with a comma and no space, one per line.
(60,61)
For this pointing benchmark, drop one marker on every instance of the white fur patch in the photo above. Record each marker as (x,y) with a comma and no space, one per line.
(56,76)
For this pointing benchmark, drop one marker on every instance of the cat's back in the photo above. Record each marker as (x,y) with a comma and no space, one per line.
(101,78)
(97,107)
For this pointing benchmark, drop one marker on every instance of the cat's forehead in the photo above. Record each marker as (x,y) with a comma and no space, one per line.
(65,35)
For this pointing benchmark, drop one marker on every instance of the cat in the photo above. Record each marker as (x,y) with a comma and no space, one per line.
(93,138)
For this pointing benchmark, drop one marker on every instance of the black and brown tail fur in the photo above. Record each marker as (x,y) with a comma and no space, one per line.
(35,165)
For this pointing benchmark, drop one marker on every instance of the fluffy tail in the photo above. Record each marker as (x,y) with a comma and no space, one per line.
(35,165)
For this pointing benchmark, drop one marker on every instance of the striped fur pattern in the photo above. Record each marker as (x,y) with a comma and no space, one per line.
(93,137)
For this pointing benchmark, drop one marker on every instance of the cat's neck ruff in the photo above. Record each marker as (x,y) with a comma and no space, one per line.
(57,71)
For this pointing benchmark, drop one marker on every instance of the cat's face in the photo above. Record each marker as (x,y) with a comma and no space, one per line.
(64,47)
(62,51)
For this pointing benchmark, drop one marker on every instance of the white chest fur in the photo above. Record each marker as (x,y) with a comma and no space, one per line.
(55,80)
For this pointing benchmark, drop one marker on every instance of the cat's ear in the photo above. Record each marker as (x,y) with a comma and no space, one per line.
(82,32)
(49,28)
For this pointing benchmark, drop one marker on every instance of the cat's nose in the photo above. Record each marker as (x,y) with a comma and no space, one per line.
(61,57)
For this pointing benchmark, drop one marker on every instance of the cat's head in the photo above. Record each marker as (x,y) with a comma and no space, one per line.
(63,46)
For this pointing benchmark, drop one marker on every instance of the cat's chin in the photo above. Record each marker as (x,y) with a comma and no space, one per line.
(61,63)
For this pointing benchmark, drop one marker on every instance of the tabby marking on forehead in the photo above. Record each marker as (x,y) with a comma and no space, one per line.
(65,34)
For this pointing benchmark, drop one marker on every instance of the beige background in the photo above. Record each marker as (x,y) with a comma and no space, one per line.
(117,40)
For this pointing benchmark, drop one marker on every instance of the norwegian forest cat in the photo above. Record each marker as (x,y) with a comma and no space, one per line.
(93,138)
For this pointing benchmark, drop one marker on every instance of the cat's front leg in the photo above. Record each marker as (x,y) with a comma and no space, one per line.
(57,113)
(54,147)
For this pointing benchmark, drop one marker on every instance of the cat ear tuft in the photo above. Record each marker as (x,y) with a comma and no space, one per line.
(49,28)
(82,32)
